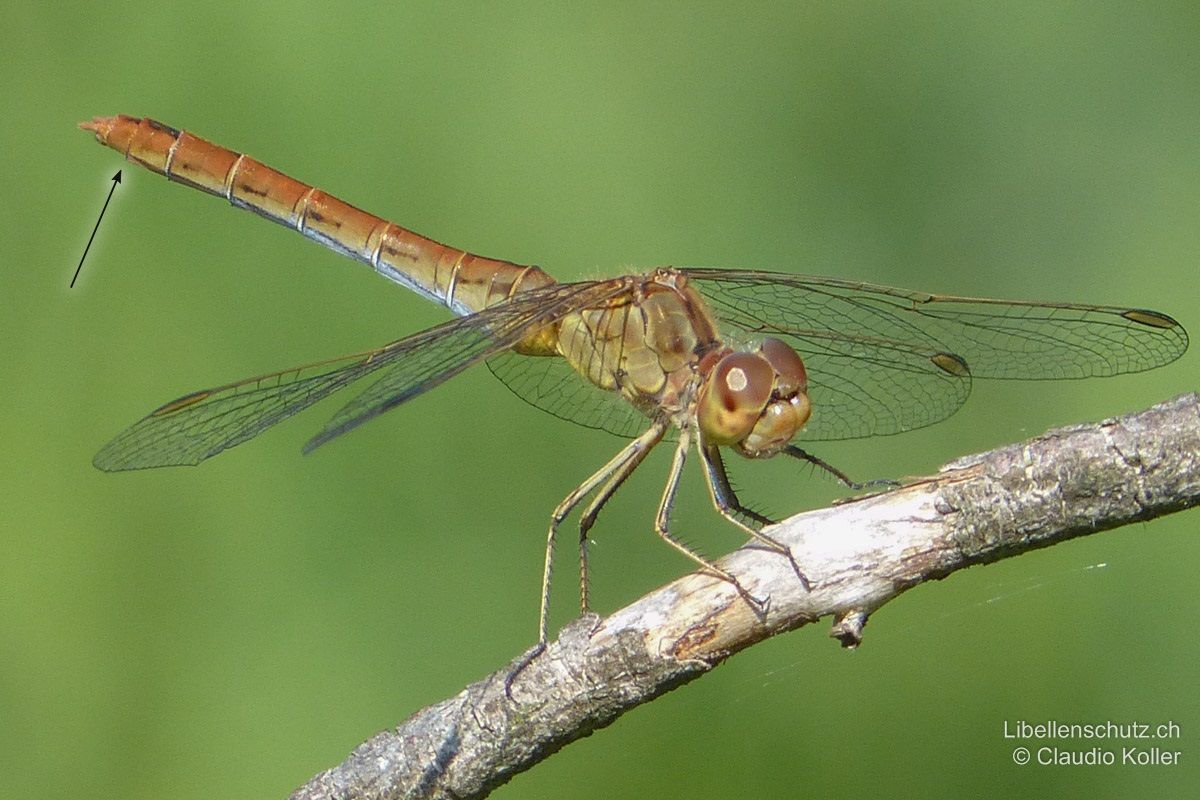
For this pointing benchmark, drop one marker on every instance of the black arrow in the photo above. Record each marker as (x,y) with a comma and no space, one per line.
(115,179)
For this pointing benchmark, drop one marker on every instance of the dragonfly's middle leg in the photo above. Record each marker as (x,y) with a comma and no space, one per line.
(662,525)
(726,501)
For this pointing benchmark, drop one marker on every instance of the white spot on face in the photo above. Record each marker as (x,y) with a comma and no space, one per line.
(736,379)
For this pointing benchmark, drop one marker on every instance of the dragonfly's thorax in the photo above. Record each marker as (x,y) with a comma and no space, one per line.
(755,401)
(646,343)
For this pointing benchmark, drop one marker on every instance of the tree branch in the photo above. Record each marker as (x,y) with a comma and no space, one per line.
(860,554)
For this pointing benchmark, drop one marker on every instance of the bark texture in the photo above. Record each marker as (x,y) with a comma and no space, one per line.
(859,554)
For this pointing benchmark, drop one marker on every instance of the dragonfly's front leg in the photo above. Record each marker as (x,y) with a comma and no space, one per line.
(728,505)
(722,493)
(804,455)
(662,524)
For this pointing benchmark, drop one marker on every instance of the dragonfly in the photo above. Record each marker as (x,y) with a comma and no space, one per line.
(714,360)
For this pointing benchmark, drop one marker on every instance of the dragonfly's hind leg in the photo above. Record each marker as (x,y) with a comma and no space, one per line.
(640,449)
(728,505)
(609,478)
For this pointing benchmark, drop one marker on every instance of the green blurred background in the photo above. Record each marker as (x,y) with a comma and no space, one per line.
(230,630)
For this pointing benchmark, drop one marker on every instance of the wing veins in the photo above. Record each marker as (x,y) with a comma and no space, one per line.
(232,413)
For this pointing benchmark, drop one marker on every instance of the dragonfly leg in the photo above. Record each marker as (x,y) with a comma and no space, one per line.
(617,477)
(804,455)
(634,452)
(722,493)
(662,525)
(611,476)
(728,505)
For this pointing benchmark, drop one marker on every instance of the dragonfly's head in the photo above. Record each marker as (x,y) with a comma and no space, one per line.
(755,401)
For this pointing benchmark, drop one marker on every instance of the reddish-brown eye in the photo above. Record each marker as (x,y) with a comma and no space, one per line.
(788,366)
(743,380)
(734,395)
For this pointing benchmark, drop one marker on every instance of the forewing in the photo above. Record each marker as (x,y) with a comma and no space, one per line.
(202,424)
(438,354)
(884,360)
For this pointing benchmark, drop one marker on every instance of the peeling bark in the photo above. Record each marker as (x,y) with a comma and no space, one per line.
(859,554)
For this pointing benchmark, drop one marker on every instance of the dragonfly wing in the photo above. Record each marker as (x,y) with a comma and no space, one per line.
(435,355)
(554,386)
(200,425)
(878,389)
(865,344)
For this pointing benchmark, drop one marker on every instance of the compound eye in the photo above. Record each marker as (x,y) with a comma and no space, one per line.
(743,381)
(735,394)
(792,377)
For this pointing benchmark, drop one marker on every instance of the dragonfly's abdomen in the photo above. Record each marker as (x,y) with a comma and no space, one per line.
(464,282)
